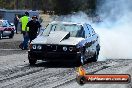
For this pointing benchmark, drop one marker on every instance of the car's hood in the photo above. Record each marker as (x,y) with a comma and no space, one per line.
(59,37)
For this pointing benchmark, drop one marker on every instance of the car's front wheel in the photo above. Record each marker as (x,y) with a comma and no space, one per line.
(11,35)
(81,59)
(32,61)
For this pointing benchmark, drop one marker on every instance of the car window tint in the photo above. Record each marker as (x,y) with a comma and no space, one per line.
(4,23)
(80,33)
(91,30)
(74,29)
(71,27)
(88,34)
(8,23)
(53,27)
(47,30)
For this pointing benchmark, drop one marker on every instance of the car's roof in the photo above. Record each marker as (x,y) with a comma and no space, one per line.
(62,22)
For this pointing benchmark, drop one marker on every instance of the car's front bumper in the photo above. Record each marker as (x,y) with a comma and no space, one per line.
(54,56)
(7,33)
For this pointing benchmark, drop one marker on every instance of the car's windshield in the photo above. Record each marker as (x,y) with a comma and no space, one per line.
(74,29)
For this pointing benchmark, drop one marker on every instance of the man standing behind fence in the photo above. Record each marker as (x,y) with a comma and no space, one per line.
(24,20)
(33,25)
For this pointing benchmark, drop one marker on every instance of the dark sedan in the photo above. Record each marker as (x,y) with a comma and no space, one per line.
(65,41)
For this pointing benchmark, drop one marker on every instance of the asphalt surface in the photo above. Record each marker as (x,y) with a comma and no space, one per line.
(15,71)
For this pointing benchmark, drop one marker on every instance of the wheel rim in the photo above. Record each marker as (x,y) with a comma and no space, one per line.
(82,59)
(1,35)
(31,61)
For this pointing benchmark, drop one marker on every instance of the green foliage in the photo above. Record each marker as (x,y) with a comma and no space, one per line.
(61,7)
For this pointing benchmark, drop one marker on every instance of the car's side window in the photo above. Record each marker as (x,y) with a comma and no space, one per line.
(87,32)
(81,33)
(8,23)
(91,30)
(4,24)
(53,27)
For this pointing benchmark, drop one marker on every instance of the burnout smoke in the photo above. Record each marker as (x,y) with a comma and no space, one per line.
(115,30)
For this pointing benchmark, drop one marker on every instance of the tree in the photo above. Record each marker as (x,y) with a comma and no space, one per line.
(62,7)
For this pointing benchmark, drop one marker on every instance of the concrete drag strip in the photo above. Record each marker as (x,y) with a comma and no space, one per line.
(112,67)
(10,49)
(15,72)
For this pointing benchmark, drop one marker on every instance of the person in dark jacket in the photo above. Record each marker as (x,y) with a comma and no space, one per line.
(16,21)
(34,26)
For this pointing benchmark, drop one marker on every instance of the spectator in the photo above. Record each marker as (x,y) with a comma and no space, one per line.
(24,20)
(16,21)
(33,25)
(40,20)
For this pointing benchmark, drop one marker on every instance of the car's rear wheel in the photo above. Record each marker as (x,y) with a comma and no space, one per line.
(95,57)
(32,61)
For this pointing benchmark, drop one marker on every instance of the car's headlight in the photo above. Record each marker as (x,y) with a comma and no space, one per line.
(34,47)
(39,47)
(70,48)
(64,48)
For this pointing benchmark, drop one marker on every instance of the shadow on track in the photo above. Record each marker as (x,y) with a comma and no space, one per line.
(55,64)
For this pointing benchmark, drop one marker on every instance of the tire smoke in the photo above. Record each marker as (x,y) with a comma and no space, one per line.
(115,31)
(113,24)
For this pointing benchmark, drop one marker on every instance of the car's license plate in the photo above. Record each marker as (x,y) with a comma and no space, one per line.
(7,31)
